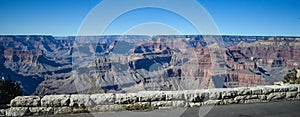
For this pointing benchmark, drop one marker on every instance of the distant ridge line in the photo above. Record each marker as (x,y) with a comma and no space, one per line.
(153,35)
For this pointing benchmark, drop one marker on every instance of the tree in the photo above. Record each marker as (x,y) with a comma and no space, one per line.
(9,90)
(291,77)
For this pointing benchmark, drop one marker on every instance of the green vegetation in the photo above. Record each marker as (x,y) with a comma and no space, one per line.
(292,77)
(9,90)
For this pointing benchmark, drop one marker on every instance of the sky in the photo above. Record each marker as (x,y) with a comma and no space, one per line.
(232,17)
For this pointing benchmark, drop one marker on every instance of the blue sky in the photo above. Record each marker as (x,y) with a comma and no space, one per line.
(63,17)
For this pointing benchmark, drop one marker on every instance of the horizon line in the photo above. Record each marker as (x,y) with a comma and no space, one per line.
(150,35)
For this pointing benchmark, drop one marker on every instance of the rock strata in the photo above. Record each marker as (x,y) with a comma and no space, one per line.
(45,64)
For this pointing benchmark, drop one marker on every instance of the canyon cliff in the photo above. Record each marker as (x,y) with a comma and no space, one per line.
(130,63)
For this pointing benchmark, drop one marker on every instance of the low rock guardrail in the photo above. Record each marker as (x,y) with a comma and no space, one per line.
(77,103)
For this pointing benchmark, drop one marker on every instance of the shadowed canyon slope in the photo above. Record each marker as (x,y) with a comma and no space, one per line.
(94,64)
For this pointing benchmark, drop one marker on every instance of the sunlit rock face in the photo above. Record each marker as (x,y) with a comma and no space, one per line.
(95,64)
(263,61)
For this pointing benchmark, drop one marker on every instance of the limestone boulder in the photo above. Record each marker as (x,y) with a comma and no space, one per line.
(276,96)
(161,103)
(40,110)
(80,100)
(103,99)
(256,90)
(26,101)
(106,108)
(196,95)
(146,96)
(62,110)
(55,100)
(179,104)
(291,94)
(267,90)
(227,94)
(244,91)
(127,98)
(17,111)
(214,94)
(174,95)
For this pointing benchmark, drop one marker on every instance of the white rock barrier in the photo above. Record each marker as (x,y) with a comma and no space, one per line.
(77,103)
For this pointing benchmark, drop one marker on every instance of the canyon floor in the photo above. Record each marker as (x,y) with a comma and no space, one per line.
(270,109)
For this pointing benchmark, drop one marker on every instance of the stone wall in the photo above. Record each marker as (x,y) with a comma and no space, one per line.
(77,103)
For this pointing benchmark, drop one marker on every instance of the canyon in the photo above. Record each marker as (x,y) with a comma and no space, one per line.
(130,63)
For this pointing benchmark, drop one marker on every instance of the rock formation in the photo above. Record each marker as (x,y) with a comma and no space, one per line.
(95,64)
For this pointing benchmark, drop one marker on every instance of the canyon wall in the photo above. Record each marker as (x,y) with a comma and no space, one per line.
(94,64)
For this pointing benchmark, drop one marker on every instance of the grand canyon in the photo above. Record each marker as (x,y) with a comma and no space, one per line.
(129,63)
